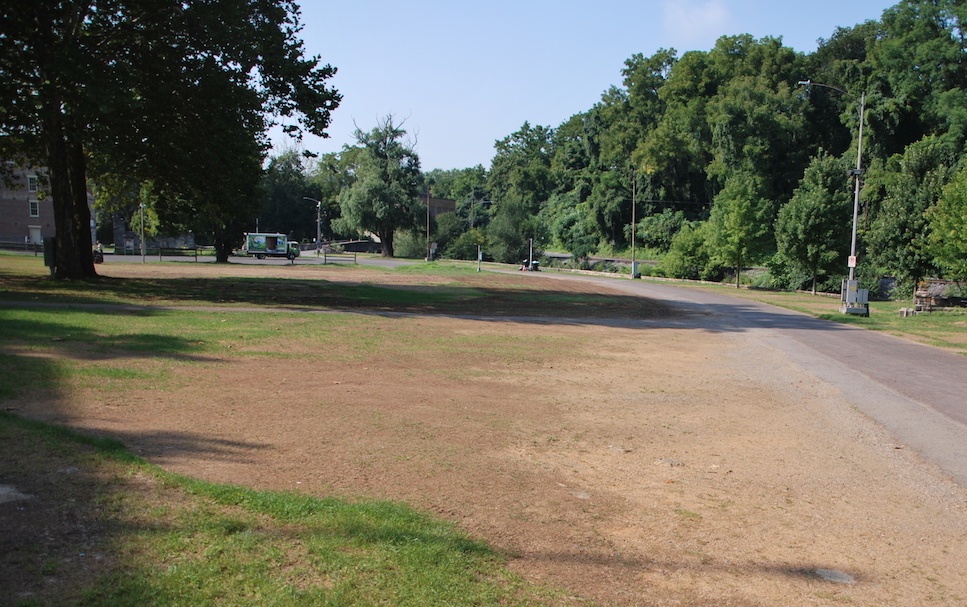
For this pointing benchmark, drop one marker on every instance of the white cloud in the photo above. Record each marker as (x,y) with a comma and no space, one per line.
(695,24)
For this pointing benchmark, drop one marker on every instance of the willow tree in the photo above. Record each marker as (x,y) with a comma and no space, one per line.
(383,197)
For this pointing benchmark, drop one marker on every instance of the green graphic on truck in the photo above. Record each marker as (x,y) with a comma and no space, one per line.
(263,245)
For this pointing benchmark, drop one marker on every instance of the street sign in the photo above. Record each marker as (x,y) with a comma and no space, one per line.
(851,262)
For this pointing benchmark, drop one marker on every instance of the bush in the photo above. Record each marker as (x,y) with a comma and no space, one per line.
(410,245)
(688,257)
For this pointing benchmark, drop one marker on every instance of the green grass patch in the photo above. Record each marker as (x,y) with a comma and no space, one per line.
(154,538)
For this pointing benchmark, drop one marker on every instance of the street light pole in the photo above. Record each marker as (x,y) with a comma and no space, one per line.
(318,222)
(634,204)
(857,173)
(143,252)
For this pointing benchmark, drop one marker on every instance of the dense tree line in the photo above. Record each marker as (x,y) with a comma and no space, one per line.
(724,158)
(732,161)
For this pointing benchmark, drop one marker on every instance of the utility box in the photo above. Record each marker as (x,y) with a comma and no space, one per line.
(50,253)
(854,299)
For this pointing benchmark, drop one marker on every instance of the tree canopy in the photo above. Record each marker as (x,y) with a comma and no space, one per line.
(383,196)
(179,94)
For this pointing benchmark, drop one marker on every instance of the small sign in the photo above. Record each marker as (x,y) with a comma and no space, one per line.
(851,261)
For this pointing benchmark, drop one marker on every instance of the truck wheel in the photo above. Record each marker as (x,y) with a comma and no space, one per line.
(260,256)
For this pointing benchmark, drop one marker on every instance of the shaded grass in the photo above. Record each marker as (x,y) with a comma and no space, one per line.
(465,292)
(155,538)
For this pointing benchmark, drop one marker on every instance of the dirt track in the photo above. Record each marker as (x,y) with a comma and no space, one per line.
(629,465)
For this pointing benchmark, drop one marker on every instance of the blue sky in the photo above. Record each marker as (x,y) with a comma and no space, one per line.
(464,74)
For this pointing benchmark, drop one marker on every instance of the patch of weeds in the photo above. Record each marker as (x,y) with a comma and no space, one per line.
(688,514)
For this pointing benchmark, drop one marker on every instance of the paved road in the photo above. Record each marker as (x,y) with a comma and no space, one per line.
(918,393)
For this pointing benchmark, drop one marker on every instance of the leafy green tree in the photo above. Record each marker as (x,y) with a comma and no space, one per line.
(609,205)
(285,208)
(740,224)
(449,227)
(384,195)
(657,231)
(813,229)
(918,76)
(900,193)
(948,226)
(164,93)
(464,246)
(690,256)
(511,230)
(842,61)
(576,233)
(326,181)
(458,184)
(521,169)
(208,196)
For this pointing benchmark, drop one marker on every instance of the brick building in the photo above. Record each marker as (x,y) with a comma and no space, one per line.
(26,209)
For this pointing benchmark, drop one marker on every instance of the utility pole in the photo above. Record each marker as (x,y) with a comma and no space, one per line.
(854,299)
(634,206)
(318,222)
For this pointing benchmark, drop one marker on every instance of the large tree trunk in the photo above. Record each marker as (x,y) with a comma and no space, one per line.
(223,244)
(223,249)
(386,243)
(68,190)
(81,212)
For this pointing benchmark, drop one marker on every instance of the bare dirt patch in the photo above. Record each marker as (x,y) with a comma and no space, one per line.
(630,465)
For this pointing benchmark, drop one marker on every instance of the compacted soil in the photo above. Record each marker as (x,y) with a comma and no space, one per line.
(636,462)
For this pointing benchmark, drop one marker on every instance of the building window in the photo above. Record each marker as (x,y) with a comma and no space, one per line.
(32,185)
(34,208)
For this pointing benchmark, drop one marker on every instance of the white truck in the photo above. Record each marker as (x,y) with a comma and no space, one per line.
(263,245)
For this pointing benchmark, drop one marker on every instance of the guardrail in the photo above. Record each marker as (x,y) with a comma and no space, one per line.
(338,257)
(162,252)
(37,248)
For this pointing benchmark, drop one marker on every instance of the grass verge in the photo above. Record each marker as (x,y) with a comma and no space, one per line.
(941,329)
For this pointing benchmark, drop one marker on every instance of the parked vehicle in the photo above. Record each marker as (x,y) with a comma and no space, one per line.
(263,245)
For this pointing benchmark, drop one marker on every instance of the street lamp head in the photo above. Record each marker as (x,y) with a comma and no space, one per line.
(810,83)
